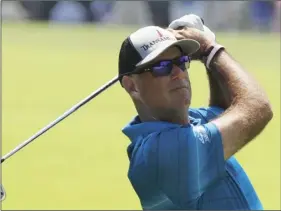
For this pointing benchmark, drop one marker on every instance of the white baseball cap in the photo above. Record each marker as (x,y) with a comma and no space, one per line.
(146,44)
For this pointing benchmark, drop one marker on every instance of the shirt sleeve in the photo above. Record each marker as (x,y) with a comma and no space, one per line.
(207,114)
(187,160)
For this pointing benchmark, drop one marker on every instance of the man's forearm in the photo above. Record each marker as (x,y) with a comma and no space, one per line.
(249,110)
(234,82)
(218,96)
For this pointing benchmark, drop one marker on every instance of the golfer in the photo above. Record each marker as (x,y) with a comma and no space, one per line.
(182,157)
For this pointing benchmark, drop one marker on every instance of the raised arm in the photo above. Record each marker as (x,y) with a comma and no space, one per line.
(248,109)
(219,97)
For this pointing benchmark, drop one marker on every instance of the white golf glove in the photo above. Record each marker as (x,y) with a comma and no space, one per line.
(192,21)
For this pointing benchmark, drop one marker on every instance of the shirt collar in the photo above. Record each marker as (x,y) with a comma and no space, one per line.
(136,128)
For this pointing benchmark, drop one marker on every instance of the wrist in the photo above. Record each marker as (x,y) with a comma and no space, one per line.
(210,54)
(206,53)
(206,48)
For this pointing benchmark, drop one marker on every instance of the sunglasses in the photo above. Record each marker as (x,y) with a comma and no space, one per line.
(165,67)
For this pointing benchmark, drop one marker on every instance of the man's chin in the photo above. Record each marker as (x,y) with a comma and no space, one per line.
(181,104)
(183,100)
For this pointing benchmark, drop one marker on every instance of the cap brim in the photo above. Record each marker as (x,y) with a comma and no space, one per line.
(188,46)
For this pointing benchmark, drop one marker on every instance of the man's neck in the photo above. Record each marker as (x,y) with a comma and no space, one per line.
(173,117)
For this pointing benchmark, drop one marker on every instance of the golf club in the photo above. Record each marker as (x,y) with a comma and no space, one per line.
(53,123)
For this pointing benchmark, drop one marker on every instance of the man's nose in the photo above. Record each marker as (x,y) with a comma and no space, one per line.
(177,73)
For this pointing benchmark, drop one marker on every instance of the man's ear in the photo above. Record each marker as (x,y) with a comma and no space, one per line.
(129,85)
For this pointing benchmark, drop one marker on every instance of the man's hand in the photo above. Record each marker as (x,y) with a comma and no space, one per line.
(192,33)
(192,27)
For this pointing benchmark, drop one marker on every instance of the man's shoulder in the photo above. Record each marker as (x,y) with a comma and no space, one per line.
(205,114)
(141,130)
(135,130)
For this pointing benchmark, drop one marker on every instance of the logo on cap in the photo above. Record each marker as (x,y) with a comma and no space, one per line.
(159,33)
(159,39)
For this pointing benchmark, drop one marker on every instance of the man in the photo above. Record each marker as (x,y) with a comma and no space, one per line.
(180,157)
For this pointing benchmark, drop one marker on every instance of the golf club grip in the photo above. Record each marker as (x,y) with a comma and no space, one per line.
(60,118)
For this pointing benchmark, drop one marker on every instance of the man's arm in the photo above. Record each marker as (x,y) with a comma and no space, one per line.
(249,110)
(218,96)
(192,27)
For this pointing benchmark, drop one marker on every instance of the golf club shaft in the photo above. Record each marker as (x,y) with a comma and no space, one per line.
(59,119)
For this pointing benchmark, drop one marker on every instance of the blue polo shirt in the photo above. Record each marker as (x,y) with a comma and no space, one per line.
(183,167)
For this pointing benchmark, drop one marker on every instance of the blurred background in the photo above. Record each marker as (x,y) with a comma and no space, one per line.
(262,16)
(55,53)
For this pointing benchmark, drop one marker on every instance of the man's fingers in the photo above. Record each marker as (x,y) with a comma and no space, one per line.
(185,33)
(179,36)
(188,33)
(170,30)
(176,34)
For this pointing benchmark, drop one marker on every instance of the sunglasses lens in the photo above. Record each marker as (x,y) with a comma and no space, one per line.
(164,68)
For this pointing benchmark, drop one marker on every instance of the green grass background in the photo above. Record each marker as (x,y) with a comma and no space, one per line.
(82,162)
